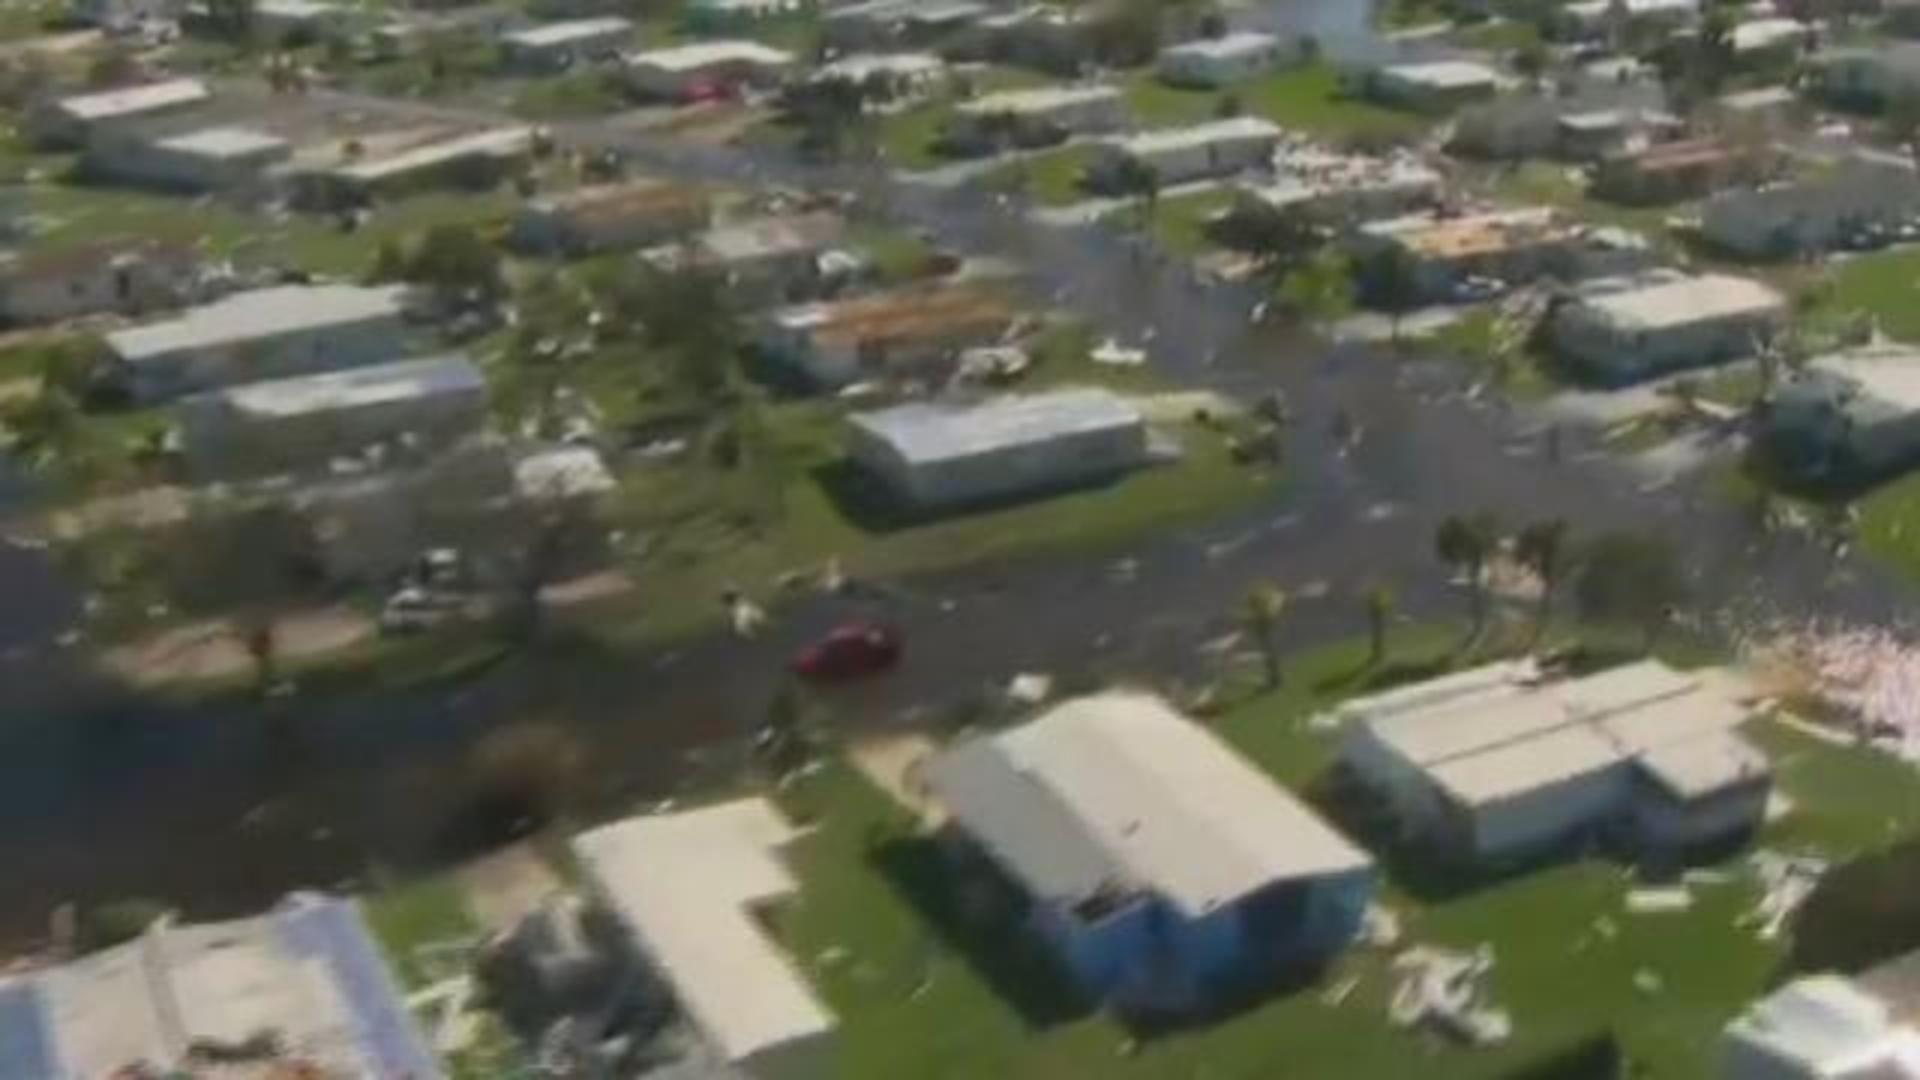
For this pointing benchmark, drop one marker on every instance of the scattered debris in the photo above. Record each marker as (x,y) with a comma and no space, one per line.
(1379,926)
(1447,990)
(1029,688)
(1785,883)
(1337,994)
(1648,982)
(1658,901)
(1114,354)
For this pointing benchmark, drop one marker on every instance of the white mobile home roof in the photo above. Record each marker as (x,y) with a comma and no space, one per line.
(1527,764)
(700,54)
(1888,372)
(686,885)
(1169,803)
(1238,43)
(1682,301)
(357,387)
(1444,74)
(1474,684)
(134,100)
(926,432)
(1039,99)
(224,142)
(1491,738)
(861,66)
(1166,140)
(257,314)
(506,141)
(1705,764)
(570,30)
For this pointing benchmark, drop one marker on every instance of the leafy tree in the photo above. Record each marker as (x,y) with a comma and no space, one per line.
(459,264)
(1393,278)
(1542,548)
(1127,33)
(1466,545)
(1262,610)
(1901,119)
(1320,289)
(1380,603)
(232,18)
(1633,578)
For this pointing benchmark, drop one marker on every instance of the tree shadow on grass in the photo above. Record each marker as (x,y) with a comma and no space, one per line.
(978,914)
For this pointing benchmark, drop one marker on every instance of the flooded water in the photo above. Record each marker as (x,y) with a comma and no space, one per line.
(223,808)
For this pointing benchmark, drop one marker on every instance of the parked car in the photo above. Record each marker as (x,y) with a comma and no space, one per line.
(850,651)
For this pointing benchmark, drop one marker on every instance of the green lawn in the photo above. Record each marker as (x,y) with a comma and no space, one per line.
(1306,98)
(1180,224)
(907,138)
(1051,178)
(745,527)
(1890,524)
(1549,184)
(1155,104)
(923,992)
(1309,99)
(1882,284)
(427,912)
(73,214)
(1473,339)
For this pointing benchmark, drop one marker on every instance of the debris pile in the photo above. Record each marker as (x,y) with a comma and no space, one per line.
(1785,883)
(1447,991)
(1868,677)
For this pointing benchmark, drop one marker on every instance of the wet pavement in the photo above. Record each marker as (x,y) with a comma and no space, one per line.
(223,808)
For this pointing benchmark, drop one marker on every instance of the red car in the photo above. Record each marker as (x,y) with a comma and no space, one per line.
(851,651)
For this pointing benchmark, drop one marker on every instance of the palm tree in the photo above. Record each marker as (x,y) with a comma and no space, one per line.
(1264,606)
(1466,544)
(1380,602)
(1542,548)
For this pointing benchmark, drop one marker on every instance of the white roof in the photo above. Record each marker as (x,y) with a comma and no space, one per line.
(135,100)
(568,31)
(1594,9)
(307,972)
(924,432)
(861,66)
(1238,43)
(1185,815)
(687,886)
(507,141)
(1762,33)
(1829,1027)
(1681,301)
(1498,679)
(297,10)
(1165,140)
(1507,770)
(1691,768)
(356,388)
(1038,99)
(225,142)
(1490,733)
(256,315)
(699,54)
(1628,686)
(1889,372)
(1443,74)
